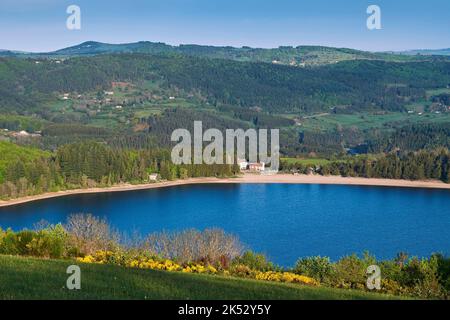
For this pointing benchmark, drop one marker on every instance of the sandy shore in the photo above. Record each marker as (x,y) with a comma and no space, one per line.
(248,178)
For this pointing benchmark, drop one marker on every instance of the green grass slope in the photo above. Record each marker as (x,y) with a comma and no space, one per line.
(28,278)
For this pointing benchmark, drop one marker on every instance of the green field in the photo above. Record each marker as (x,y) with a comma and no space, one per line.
(436,92)
(28,278)
(364,121)
(16,122)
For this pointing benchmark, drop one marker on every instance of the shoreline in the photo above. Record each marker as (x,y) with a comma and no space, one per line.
(244,179)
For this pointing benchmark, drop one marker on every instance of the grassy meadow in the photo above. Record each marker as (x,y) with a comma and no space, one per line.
(31,278)
(365,121)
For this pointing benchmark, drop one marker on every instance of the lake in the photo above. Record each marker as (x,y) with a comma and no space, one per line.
(284,221)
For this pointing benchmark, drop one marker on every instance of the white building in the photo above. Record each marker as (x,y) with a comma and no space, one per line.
(243,164)
(22,133)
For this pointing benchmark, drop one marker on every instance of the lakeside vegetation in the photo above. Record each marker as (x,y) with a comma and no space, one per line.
(27,171)
(89,240)
(421,165)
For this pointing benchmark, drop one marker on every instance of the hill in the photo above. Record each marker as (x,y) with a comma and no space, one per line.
(428,52)
(21,278)
(286,55)
(352,85)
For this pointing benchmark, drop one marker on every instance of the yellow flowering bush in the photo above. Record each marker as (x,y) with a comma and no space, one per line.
(143,262)
(198,268)
(285,277)
(86,259)
(148,263)
(100,257)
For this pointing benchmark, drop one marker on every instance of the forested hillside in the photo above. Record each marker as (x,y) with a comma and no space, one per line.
(353,85)
(413,137)
(27,171)
(107,118)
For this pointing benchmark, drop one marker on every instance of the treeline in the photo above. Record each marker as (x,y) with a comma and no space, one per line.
(73,129)
(93,164)
(162,126)
(413,137)
(17,123)
(419,165)
(256,117)
(358,85)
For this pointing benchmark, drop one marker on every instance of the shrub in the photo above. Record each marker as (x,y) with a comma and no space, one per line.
(351,273)
(89,234)
(285,277)
(46,243)
(391,270)
(319,268)
(429,286)
(443,271)
(411,273)
(23,239)
(392,287)
(8,242)
(49,243)
(242,271)
(254,261)
(211,246)
(419,277)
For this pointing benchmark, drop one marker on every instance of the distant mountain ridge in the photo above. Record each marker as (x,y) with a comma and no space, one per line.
(285,55)
(437,52)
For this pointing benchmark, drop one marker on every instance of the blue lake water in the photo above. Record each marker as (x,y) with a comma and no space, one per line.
(284,221)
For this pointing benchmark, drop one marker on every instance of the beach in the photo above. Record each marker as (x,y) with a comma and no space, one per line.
(246,178)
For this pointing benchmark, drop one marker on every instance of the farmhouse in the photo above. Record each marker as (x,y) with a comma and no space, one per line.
(119,84)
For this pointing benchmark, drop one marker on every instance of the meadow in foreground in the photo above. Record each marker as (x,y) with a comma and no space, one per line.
(31,278)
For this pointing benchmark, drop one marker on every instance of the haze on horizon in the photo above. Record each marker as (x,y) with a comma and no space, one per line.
(40,25)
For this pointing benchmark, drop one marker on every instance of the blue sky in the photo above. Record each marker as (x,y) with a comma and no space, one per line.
(40,25)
